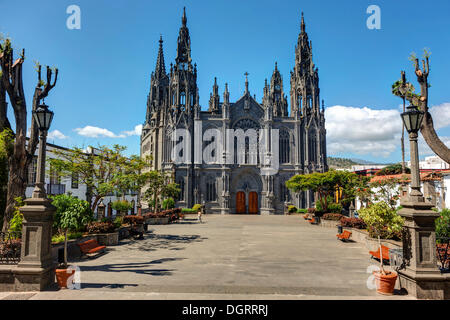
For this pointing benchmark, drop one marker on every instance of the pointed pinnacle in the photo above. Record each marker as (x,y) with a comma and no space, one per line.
(184,19)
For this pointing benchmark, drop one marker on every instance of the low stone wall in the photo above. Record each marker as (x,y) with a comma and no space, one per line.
(163,220)
(73,250)
(329,223)
(359,235)
(107,239)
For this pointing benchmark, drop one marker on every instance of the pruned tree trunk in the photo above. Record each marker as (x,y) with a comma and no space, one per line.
(22,154)
(427,128)
(432,139)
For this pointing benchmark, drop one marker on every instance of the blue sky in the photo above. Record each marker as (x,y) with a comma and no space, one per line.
(105,66)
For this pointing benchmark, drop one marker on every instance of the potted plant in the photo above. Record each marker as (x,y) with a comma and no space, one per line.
(71,214)
(385,280)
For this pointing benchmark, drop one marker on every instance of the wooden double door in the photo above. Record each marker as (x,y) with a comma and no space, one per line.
(247,203)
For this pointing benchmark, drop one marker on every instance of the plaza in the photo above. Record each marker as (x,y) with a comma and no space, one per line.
(226,257)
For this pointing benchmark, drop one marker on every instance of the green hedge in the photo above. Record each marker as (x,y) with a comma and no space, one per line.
(187,210)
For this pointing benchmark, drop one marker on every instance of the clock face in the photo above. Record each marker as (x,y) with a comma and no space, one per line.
(277,87)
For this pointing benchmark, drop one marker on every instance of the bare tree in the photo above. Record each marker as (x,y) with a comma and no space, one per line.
(427,128)
(22,153)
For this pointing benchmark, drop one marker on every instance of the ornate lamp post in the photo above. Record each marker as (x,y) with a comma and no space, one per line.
(43,117)
(36,268)
(420,277)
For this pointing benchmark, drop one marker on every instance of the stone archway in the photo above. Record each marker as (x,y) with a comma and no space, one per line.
(246,189)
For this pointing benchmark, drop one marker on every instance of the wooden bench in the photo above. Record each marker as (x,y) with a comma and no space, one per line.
(344,236)
(384,252)
(91,247)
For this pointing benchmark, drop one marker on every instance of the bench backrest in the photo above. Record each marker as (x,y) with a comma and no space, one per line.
(88,245)
(346,233)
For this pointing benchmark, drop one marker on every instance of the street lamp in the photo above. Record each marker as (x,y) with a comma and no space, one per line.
(420,275)
(36,270)
(412,119)
(43,117)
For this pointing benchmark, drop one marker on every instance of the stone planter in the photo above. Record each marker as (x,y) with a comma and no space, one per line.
(124,232)
(163,220)
(108,239)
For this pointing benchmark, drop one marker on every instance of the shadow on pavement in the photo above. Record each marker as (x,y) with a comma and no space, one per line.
(138,267)
(106,285)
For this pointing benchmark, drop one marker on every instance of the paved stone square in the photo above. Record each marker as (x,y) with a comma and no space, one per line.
(228,257)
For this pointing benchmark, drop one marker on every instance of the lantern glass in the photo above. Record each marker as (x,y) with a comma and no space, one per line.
(43,117)
(412,119)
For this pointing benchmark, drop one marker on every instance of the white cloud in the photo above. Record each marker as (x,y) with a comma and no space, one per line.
(95,132)
(362,130)
(136,132)
(441,115)
(424,149)
(56,134)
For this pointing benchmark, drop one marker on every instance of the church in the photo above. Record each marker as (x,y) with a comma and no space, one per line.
(237,186)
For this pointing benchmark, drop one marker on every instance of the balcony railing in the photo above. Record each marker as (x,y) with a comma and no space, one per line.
(55,189)
(10,245)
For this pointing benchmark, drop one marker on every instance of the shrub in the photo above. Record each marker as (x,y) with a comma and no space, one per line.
(117,222)
(121,205)
(133,220)
(188,210)
(292,209)
(334,208)
(382,221)
(332,216)
(301,210)
(356,223)
(58,238)
(168,203)
(443,224)
(311,210)
(101,227)
(16,221)
(196,207)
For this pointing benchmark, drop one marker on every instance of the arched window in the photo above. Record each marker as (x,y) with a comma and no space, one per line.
(235,150)
(211,194)
(132,206)
(284,192)
(183,100)
(284,147)
(247,150)
(180,183)
(109,210)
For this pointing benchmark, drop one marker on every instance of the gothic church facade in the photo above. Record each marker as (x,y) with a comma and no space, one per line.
(238,187)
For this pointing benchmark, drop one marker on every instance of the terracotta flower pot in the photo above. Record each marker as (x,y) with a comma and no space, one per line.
(62,275)
(385,282)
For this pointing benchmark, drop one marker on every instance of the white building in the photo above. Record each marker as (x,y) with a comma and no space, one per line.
(432,162)
(55,184)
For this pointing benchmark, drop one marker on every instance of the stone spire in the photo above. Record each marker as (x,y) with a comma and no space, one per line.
(160,68)
(214,99)
(246,82)
(302,24)
(276,97)
(184,42)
